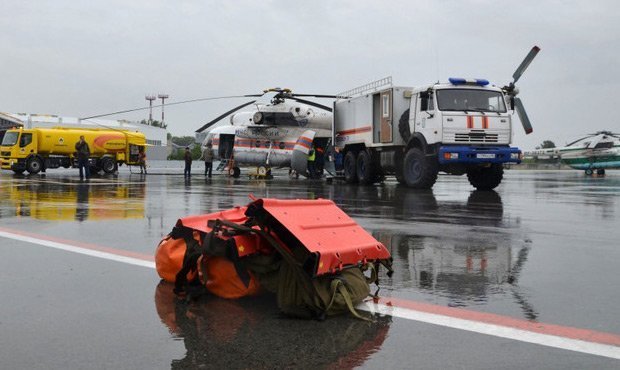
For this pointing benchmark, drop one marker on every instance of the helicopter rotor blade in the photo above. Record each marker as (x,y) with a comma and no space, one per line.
(608,133)
(318,96)
(524,64)
(169,104)
(527,125)
(324,107)
(214,121)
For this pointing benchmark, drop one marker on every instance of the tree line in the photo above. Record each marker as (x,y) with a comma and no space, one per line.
(183,142)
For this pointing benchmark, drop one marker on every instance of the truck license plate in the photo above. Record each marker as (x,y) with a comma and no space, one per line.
(485,155)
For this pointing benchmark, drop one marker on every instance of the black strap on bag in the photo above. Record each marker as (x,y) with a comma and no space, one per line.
(337,285)
(286,255)
(192,253)
(215,246)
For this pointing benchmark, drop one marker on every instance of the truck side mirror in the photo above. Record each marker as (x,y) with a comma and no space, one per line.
(512,103)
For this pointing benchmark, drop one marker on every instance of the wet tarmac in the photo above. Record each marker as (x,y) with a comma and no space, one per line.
(543,249)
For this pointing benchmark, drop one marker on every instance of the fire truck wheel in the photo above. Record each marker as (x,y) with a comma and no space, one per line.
(486,178)
(366,172)
(350,167)
(107,165)
(403,126)
(236,172)
(400,177)
(419,171)
(34,165)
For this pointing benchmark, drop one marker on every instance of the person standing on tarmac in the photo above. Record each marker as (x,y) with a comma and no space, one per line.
(142,160)
(188,163)
(338,160)
(207,156)
(83,153)
(311,160)
(319,161)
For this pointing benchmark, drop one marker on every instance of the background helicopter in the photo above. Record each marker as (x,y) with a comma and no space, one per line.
(597,151)
(278,134)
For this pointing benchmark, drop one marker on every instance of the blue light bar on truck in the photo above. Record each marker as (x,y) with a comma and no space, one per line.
(463,81)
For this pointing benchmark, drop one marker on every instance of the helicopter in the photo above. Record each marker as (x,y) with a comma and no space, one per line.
(594,152)
(279,134)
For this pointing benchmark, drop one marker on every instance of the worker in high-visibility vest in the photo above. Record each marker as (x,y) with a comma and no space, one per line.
(311,164)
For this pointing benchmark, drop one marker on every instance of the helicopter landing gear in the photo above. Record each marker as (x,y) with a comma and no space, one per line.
(235,172)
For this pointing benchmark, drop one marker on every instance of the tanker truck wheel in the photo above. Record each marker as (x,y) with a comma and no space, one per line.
(350,167)
(108,165)
(486,178)
(420,171)
(34,165)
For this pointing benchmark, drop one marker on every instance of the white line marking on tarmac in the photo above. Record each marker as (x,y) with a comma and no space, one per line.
(80,250)
(570,344)
(496,330)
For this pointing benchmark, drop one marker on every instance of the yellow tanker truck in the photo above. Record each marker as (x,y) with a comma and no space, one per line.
(38,149)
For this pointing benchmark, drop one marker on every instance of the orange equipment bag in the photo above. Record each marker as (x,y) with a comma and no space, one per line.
(309,252)
(193,257)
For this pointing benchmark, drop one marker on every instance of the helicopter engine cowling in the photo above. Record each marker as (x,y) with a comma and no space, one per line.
(258,118)
(241,119)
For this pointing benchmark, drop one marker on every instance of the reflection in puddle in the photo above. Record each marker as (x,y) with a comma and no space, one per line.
(221,333)
(79,201)
(462,273)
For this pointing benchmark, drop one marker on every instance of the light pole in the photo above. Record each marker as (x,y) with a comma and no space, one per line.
(162,97)
(150,98)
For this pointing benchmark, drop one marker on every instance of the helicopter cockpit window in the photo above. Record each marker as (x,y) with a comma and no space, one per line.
(605,145)
(474,100)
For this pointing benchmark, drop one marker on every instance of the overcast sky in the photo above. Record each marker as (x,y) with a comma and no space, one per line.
(78,58)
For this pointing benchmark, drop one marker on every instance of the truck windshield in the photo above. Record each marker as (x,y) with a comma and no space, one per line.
(470,100)
(10,138)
